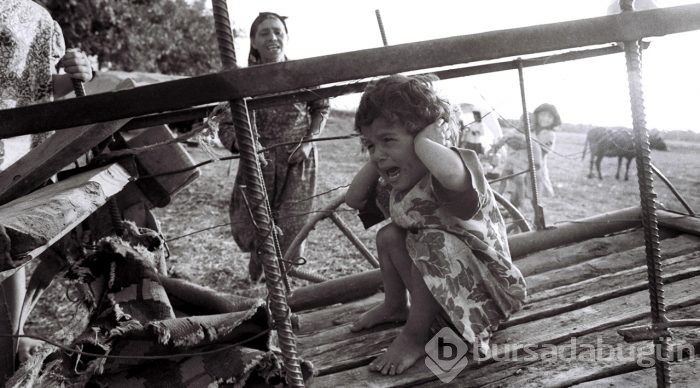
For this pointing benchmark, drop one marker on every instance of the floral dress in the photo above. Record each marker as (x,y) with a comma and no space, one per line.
(465,262)
(31,44)
(289,186)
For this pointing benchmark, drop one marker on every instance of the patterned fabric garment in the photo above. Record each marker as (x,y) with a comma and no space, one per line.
(31,44)
(465,263)
(288,185)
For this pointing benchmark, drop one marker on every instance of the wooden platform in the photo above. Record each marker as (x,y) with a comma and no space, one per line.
(579,296)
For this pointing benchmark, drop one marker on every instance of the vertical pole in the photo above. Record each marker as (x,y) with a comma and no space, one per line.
(381,27)
(648,204)
(539,212)
(255,190)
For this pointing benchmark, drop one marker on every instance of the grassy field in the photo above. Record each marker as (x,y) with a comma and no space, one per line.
(211,258)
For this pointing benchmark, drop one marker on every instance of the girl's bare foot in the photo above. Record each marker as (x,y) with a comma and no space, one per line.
(401,355)
(379,314)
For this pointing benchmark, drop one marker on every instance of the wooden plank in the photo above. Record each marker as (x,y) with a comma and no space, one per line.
(576,362)
(36,221)
(679,222)
(552,330)
(57,152)
(683,374)
(552,302)
(333,316)
(607,264)
(561,257)
(311,72)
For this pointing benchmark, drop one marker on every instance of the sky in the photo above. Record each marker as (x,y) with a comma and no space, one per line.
(589,91)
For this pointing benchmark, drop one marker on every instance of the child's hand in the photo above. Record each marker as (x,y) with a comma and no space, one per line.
(76,65)
(436,132)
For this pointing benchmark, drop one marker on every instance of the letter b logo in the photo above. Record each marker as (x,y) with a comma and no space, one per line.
(445,354)
(447,351)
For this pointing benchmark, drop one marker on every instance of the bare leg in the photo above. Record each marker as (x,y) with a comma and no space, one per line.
(391,249)
(409,346)
(15,288)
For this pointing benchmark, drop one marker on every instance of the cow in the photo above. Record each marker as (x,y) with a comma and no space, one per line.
(616,142)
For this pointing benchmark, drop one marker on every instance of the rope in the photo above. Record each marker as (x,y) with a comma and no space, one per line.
(250,167)
(648,203)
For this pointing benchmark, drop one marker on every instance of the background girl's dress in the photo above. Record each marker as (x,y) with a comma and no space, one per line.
(546,141)
(464,259)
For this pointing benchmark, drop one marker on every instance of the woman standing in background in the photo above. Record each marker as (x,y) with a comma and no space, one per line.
(290,172)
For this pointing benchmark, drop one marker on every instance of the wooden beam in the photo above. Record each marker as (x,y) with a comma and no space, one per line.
(357,286)
(36,221)
(201,112)
(307,73)
(599,225)
(57,152)
(680,222)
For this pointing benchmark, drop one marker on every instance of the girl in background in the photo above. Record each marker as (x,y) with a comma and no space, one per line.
(546,122)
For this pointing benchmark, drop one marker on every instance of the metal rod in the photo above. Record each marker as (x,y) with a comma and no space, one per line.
(539,213)
(354,240)
(648,202)
(381,27)
(255,190)
(672,188)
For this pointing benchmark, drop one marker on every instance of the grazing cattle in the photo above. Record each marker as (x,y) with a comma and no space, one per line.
(617,142)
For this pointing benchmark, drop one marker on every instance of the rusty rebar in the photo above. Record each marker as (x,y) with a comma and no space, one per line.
(250,167)
(648,203)
(539,212)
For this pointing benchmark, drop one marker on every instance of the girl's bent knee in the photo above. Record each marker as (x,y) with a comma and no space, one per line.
(390,235)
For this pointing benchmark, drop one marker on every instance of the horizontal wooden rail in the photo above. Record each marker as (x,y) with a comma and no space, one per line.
(312,72)
(200,112)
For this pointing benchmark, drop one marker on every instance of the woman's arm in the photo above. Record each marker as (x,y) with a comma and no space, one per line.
(77,66)
(444,164)
(319,111)
(362,186)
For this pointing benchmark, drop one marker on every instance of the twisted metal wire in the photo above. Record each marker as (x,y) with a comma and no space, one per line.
(250,167)
(648,203)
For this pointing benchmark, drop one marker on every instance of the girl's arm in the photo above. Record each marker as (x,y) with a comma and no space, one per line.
(444,164)
(362,186)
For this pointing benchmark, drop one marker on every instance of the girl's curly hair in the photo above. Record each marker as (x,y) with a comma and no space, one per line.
(409,101)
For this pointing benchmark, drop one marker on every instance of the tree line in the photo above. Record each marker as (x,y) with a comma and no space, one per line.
(164,36)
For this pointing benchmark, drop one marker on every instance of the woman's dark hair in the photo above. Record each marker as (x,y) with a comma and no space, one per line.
(254,55)
(409,101)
